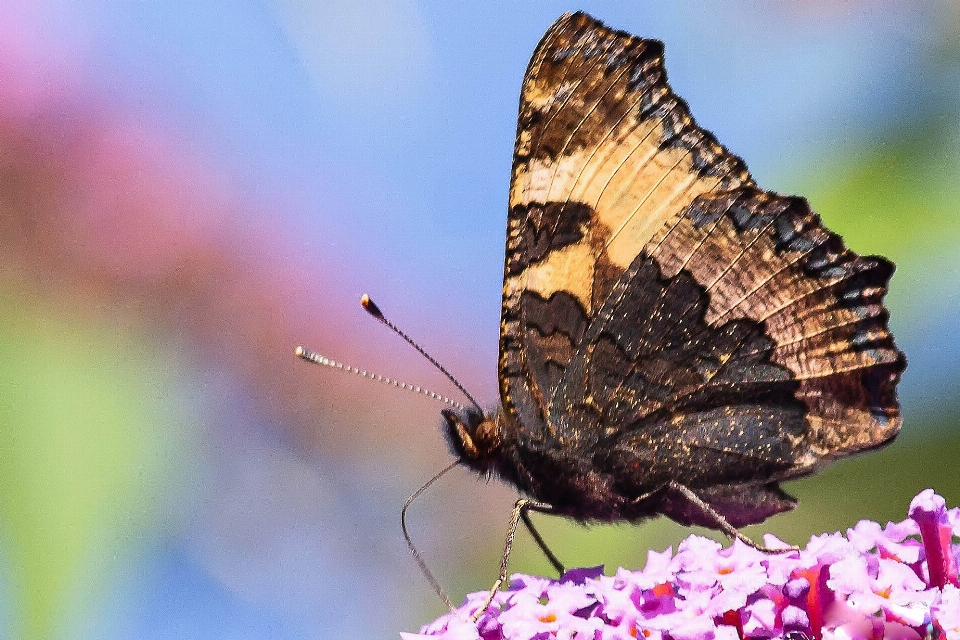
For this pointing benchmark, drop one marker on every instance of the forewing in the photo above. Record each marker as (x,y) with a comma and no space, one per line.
(606,156)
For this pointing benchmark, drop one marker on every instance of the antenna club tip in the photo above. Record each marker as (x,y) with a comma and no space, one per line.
(371,307)
(303,353)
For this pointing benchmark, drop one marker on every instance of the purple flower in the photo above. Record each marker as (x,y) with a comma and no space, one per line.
(929,511)
(946,612)
(897,581)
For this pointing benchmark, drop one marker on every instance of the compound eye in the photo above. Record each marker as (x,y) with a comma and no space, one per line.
(487,436)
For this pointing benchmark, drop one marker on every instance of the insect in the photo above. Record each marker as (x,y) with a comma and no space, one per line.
(675,340)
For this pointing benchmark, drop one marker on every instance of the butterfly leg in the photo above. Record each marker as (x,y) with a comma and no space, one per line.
(720,521)
(554,561)
(519,510)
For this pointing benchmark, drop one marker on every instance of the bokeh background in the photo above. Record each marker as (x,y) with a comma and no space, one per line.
(190,189)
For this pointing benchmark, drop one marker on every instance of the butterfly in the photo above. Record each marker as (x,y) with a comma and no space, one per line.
(675,340)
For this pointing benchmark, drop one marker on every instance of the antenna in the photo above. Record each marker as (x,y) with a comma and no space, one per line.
(324,361)
(374,310)
(318,359)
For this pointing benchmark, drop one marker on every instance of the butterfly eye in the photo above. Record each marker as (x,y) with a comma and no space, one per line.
(487,436)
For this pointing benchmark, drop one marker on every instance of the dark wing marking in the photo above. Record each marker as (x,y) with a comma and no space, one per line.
(745,346)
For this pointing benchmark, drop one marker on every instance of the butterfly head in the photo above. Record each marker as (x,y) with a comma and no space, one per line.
(474,436)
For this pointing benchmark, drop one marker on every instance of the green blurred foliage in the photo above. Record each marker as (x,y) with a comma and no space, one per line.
(897,196)
(900,196)
(90,426)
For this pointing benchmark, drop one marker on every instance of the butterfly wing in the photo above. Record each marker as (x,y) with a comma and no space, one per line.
(606,154)
(664,318)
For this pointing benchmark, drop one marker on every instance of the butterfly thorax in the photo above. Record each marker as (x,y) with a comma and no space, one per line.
(491,444)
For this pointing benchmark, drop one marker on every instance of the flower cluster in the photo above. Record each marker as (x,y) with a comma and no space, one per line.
(898,582)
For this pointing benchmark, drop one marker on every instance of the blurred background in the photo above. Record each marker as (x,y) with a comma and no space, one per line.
(189,190)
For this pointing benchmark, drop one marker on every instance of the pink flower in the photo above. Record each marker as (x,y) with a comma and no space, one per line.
(896,582)
(946,612)
(929,511)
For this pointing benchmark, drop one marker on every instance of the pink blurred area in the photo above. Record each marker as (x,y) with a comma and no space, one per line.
(114,221)
(109,215)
